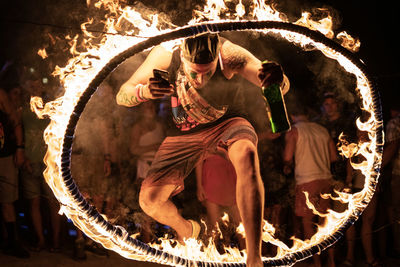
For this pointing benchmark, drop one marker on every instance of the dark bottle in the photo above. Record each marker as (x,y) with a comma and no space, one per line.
(277,110)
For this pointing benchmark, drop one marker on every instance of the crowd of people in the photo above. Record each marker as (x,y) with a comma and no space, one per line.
(112,168)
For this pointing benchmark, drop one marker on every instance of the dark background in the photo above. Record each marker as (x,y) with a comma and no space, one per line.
(29,25)
(26,25)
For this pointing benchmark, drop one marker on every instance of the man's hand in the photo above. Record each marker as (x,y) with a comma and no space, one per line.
(270,73)
(287,169)
(201,195)
(157,88)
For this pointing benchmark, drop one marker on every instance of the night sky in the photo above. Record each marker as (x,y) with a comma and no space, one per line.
(25,25)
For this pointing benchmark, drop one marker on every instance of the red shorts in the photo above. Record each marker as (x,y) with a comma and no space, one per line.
(314,189)
(179,155)
(219,181)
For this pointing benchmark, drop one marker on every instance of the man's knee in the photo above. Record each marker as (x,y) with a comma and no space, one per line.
(147,200)
(152,198)
(243,152)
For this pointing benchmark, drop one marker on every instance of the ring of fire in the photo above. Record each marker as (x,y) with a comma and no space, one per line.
(113,237)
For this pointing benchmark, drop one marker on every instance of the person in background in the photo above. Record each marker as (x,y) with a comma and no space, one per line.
(33,184)
(309,151)
(391,158)
(98,151)
(146,137)
(12,156)
(335,118)
(216,189)
(337,121)
(356,184)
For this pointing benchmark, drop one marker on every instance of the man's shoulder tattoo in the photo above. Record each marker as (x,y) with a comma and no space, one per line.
(236,61)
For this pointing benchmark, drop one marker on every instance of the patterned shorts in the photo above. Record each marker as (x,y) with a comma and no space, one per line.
(179,155)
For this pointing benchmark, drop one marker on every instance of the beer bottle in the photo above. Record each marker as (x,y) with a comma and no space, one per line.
(276,108)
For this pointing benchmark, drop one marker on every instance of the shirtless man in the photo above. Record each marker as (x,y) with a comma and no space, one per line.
(199,74)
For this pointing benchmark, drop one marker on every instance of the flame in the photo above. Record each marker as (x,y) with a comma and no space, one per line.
(42,53)
(323,25)
(85,63)
(263,11)
(240,9)
(349,42)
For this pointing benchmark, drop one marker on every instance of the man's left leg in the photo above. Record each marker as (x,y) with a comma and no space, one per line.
(155,202)
(249,196)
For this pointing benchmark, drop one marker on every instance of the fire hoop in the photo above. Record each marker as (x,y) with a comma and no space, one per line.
(131,246)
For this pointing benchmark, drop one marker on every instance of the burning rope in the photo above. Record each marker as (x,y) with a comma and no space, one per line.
(132,245)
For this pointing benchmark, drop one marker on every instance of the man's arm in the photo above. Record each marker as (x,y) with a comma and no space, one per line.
(333,154)
(390,149)
(288,152)
(199,181)
(240,61)
(392,144)
(141,86)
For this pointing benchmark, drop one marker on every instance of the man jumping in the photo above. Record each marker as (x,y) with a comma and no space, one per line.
(208,121)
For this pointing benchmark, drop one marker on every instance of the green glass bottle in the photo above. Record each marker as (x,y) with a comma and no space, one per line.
(276,108)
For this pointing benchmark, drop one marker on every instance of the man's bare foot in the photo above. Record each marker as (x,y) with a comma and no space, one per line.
(185,232)
(256,262)
(192,231)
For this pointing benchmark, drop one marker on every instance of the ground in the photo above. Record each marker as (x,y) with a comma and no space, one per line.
(47,259)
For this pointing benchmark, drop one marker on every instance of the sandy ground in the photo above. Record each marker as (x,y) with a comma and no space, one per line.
(64,258)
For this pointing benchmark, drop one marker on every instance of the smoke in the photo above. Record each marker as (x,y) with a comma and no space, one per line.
(105,127)
(331,77)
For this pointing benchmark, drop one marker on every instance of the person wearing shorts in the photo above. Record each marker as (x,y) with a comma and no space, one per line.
(34,186)
(203,109)
(309,151)
(216,189)
(11,157)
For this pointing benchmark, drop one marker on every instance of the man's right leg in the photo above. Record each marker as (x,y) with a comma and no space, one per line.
(155,202)
(395,211)
(37,222)
(8,213)
(213,214)
(249,196)
(13,246)
(309,231)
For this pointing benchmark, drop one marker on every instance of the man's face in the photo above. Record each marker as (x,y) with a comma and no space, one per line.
(330,106)
(199,74)
(15,94)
